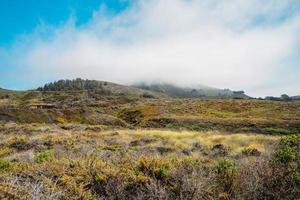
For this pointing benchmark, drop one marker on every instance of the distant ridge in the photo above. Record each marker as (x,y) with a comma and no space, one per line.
(283,97)
(190,92)
(296,97)
(3,90)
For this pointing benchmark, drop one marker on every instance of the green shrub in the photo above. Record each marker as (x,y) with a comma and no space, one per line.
(277,131)
(288,150)
(153,167)
(288,155)
(45,156)
(297,177)
(225,167)
(172,126)
(181,126)
(226,172)
(292,140)
(161,173)
(5,165)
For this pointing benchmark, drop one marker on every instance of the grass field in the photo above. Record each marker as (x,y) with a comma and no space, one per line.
(75,162)
(90,146)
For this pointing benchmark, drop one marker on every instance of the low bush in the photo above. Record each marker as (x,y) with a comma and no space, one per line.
(5,165)
(44,156)
(277,131)
(289,150)
(153,167)
(225,174)
(20,143)
(297,177)
(251,152)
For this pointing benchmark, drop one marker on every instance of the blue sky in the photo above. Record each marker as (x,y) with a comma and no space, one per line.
(19,19)
(241,45)
(22,17)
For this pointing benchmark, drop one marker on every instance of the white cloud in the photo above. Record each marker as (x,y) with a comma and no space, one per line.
(227,44)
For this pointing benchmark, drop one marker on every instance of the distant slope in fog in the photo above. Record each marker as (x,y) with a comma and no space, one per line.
(191,92)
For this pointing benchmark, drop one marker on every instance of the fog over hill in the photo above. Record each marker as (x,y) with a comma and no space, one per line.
(143,89)
(199,91)
(149,90)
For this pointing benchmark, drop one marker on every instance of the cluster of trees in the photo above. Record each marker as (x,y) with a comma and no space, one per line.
(76,84)
(283,97)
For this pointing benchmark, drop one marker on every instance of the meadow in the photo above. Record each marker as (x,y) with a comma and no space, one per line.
(41,161)
(83,145)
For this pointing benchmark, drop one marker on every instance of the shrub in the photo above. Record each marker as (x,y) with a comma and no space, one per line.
(45,156)
(153,167)
(161,173)
(297,177)
(5,165)
(286,154)
(225,171)
(261,178)
(219,150)
(289,149)
(292,140)
(20,143)
(288,157)
(277,131)
(251,152)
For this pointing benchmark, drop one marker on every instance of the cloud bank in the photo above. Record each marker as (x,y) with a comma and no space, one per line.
(249,45)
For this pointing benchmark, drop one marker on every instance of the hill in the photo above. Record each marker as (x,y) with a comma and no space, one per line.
(82,139)
(101,87)
(2,90)
(189,92)
(4,94)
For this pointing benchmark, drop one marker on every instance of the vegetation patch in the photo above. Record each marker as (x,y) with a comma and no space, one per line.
(47,155)
(278,131)
(251,152)
(19,143)
(5,165)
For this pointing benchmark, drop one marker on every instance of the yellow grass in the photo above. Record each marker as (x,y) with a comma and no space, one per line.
(236,142)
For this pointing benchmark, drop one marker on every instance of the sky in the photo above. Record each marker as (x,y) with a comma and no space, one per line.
(242,45)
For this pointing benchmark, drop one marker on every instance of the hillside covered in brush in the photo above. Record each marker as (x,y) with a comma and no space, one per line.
(150,90)
(81,139)
(101,87)
(81,144)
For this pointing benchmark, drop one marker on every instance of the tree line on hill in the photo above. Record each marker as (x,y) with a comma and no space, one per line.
(75,84)
(283,97)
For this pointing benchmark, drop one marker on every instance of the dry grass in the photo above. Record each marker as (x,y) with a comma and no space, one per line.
(80,162)
(116,147)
